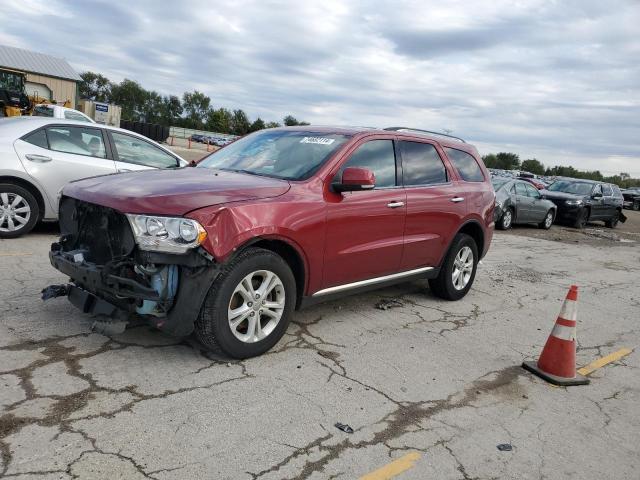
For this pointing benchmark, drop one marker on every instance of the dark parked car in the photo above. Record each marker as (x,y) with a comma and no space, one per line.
(582,201)
(518,201)
(631,198)
(277,220)
(196,137)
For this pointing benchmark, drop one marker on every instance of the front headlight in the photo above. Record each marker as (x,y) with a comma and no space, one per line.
(573,202)
(166,234)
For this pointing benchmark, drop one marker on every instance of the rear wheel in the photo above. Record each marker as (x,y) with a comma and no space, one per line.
(613,221)
(458,269)
(249,306)
(19,211)
(636,205)
(506,221)
(548,221)
(581,219)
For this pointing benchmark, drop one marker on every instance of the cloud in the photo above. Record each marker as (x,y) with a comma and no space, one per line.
(554,80)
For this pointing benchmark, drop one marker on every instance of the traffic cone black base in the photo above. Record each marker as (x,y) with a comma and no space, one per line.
(560,381)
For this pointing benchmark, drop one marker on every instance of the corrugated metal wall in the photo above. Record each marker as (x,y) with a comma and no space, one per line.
(62,90)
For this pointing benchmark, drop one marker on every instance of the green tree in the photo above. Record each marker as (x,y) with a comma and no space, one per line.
(240,123)
(272,125)
(170,110)
(291,121)
(508,161)
(533,166)
(258,124)
(219,120)
(196,108)
(95,86)
(490,160)
(131,97)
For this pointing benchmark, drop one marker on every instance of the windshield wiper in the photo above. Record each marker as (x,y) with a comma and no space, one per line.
(239,170)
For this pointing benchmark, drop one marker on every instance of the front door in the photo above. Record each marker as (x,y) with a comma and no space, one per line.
(538,208)
(365,229)
(524,203)
(58,154)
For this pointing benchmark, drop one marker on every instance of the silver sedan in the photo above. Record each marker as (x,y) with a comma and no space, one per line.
(38,156)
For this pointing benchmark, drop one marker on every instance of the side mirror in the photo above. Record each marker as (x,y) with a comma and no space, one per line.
(355,179)
(596,196)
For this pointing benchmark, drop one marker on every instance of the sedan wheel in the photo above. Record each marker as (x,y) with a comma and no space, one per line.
(548,221)
(18,211)
(506,220)
(256,306)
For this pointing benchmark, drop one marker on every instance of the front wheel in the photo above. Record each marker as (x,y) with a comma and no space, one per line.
(249,306)
(506,220)
(636,205)
(582,218)
(458,269)
(613,221)
(548,221)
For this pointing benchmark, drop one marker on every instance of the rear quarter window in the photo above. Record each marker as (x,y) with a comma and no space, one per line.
(466,165)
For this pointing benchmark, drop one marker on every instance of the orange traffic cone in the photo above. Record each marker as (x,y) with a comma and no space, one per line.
(557,363)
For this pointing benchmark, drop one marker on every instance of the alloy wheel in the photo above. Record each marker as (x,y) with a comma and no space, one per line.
(14,212)
(506,219)
(256,306)
(462,268)
(548,220)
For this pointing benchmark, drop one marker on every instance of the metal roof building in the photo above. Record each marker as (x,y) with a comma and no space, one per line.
(46,76)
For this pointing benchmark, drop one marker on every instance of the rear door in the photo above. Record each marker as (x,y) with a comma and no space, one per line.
(134,153)
(365,229)
(58,154)
(435,204)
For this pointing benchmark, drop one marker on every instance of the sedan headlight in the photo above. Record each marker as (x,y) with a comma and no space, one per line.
(573,203)
(166,234)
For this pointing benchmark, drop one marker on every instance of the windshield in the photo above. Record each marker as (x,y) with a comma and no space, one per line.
(577,188)
(287,154)
(498,183)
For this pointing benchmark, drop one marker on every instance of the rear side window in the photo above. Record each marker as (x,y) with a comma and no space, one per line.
(421,164)
(77,140)
(379,157)
(466,165)
(606,191)
(42,111)
(37,138)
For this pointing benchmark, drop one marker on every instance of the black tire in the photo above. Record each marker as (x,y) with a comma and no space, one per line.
(506,220)
(11,190)
(212,327)
(442,286)
(582,218)
(635,206)
(613,221)
(546,223)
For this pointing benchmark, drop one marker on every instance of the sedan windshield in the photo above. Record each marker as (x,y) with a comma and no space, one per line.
(287,154)
(577,188)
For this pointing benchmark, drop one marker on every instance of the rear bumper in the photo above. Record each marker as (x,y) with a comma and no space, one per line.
(96,291)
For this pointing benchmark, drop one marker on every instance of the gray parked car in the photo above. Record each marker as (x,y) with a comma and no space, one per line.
(518,201)
(39,155)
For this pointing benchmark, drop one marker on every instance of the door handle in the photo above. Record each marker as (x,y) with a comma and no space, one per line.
(457,199)
(395,204)
(38,158)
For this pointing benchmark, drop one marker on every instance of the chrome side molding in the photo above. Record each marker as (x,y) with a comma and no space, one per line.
(370,281)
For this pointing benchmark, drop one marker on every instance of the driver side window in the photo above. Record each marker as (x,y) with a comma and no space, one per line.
(379,157)
(134,150)
(532,192)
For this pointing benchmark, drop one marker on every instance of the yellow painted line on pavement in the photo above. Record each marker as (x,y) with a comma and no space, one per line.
(394,468)
(14,254)
(601,362)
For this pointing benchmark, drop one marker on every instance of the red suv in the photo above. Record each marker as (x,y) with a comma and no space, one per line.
(275,221)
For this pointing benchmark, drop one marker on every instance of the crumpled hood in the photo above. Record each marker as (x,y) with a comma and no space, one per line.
(173,192)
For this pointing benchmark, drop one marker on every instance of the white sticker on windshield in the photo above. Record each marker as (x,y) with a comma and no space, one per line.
(318,140)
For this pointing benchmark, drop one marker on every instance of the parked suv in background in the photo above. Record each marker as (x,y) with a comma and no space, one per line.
(582,201)
(277,220)
(631,198)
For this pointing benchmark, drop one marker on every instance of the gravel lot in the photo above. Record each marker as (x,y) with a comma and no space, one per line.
(439,382)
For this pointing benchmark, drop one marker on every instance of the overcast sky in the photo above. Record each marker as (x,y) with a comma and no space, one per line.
(556,80)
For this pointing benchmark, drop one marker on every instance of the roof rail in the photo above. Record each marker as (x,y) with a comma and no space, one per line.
(397,129)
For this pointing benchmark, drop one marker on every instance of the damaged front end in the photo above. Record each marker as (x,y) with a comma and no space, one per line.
(120,270)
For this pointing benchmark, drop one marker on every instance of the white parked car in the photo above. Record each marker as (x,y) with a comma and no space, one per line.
(38,156)
(57,111)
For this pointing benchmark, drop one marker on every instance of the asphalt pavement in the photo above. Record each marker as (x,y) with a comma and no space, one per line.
(430,388)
